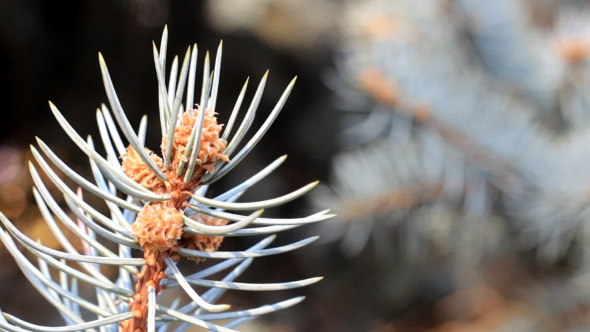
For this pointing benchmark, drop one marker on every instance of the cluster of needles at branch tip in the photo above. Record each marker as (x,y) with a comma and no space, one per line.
(158,227)
(165,213)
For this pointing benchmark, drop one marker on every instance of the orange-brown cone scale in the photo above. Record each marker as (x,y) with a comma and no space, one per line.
(158,227)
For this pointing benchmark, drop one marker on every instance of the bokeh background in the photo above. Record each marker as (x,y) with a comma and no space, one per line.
(451,137)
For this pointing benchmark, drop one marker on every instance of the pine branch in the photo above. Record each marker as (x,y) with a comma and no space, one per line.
(165,213)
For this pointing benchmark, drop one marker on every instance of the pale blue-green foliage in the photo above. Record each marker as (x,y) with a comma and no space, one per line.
(497,89)
(112,297)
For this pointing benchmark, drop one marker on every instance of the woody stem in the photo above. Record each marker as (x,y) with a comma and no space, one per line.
(150,276)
